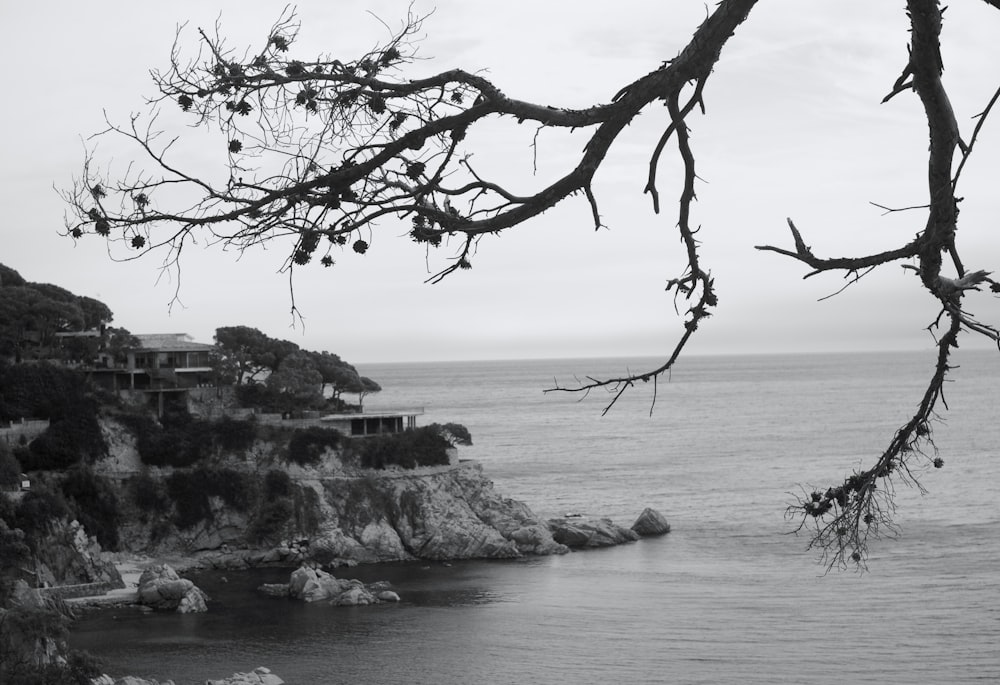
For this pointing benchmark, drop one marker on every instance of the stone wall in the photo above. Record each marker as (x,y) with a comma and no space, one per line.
(12,432)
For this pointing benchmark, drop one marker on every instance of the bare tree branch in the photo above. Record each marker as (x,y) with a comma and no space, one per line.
(320,152)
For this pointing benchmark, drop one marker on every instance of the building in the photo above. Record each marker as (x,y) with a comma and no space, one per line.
(163,364)
(372,423)
(164,361)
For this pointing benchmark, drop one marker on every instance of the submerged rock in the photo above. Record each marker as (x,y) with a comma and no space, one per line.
(580,533)
(651,522)
(162,589)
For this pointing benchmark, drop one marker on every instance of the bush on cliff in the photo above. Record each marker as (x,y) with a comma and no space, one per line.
(37,509)
(191,490)
(272,519)
(424,446)
(234,435)
(149,495)
(21,629)
(67,400)
(277,483)
(94,504)
(181,440)
(307,445)
(10,469)
(66,442)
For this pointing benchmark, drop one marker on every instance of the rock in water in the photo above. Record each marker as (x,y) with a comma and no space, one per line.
(313,585)
(162,589)
(578,533)
(651,522)
(258,676)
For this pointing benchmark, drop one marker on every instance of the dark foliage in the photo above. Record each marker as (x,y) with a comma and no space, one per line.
(10,468)
(48,391)
(20,628)
(44,391)
(184,441)
(277,483)
(191,492)
(307,445)
(69,441)
(454,433)
(15,553)
(424,446)
(94,504)
(272,519)
(37,509)
(149,495)
(233,435)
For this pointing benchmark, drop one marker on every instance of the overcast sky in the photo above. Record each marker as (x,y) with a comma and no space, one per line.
(794,128)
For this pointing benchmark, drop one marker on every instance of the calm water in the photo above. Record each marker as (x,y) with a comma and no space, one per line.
(728,596)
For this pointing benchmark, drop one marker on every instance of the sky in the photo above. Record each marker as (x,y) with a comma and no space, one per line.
(793,128)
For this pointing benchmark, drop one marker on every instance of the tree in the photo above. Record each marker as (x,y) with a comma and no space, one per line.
(297,381)
(96,314)
(320,152)
(9,276)
(117,343)
(250,351)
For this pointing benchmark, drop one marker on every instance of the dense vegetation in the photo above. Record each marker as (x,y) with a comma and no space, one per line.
(180,440)
(424,446)
(67,400)
(191,492)
(307,445)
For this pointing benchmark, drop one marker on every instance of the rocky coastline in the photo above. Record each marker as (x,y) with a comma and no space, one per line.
(339,517)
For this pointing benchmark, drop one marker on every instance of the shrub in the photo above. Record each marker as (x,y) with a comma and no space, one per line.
(277,483)
(413,447)
(94,504)
(191,503)
(454,433)
(235,435)
(307,445)
(272,519)
(44,391)
(10,468)
(184,441)
(191,490)
(38,508)
(178,444)
(66,442)
(149,494)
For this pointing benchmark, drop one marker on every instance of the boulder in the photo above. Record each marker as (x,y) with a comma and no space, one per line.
(387,596)
(162,589)
(651,522)
(580,533)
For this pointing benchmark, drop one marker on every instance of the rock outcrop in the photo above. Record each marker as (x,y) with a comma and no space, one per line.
(315,585)
(651,522)
(445,514)
(66,555)
(258,676)
(338,514)
(163,590)
(583,533)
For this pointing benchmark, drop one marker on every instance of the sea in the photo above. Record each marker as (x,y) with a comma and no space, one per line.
(732,595)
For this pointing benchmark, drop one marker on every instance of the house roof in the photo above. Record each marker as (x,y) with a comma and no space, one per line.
(171,342)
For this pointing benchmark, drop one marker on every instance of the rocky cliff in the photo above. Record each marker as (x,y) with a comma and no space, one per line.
(254,508)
